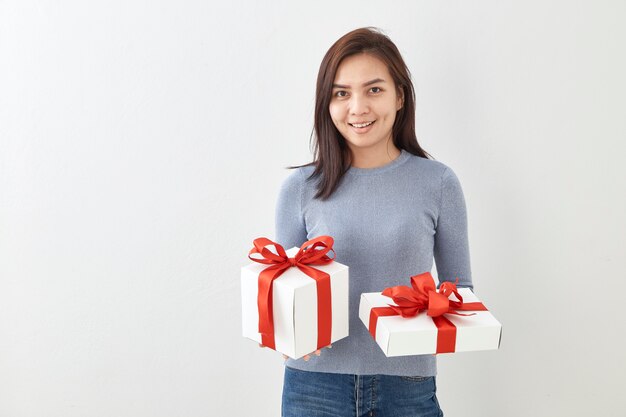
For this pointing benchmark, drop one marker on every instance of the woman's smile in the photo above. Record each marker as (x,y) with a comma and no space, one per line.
(362,127)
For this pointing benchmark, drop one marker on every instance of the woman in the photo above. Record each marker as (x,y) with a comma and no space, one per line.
(390,210)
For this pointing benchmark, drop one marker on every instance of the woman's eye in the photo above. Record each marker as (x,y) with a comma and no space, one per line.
(340,94)
(378,90)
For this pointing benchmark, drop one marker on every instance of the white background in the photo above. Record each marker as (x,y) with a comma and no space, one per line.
(142,145)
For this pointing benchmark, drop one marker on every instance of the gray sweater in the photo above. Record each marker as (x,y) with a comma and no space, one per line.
(388,224)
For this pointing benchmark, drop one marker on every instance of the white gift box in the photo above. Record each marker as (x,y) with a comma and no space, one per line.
(398,336)
(295,306)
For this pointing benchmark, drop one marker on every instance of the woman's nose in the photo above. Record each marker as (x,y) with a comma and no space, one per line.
(358,105)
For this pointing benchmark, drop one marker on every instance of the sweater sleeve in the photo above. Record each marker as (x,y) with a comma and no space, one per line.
(290,227)
(451,249)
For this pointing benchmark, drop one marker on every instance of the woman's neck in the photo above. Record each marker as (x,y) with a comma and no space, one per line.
(374,158)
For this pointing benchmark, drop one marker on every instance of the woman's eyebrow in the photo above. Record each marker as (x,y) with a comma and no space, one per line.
(374,81)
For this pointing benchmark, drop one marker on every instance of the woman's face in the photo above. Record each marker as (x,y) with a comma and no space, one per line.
(364,102)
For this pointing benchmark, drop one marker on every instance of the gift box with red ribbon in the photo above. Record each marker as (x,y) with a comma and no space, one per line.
(294,301)
(420,319)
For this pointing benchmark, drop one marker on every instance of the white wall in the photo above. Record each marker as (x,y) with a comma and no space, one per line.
(142,145)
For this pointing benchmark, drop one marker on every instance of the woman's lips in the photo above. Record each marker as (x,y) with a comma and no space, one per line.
(362,129)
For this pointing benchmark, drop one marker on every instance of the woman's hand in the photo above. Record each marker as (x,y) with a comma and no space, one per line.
(305,357)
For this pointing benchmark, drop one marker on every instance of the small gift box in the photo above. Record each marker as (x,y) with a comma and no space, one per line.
(294,301)
(420,320)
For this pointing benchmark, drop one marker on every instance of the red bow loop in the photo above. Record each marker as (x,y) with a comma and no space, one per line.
(409,303)
(448,288)
(423,283)
(267,256)
(315,251)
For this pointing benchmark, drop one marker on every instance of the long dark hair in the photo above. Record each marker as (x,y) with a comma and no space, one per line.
(332,155)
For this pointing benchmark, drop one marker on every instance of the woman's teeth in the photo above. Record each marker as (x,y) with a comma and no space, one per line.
(360,124)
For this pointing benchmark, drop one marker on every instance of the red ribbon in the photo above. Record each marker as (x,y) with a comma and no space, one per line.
(423,296)
(312,252)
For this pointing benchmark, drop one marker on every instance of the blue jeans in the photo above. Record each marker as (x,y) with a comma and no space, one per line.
(320,394)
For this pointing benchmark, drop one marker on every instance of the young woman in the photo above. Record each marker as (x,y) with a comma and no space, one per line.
(390,209)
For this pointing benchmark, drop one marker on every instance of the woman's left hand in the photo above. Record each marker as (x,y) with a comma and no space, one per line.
(305,357)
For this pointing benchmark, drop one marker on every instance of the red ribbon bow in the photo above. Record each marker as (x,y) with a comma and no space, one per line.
(423,296)
(312,252)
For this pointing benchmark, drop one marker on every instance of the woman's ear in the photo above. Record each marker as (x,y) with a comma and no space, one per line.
(400,101)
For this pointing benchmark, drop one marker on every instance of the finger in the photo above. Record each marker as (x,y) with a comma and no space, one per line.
(329,346)
(318,352)
(307,357)
(261,345)
(285,357)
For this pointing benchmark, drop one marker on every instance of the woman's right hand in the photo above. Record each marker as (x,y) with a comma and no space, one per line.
(305,357)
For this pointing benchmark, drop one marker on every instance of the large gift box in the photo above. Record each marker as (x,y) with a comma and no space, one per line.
(294,301)
(420,320)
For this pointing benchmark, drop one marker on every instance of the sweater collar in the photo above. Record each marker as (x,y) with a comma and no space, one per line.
(403,157)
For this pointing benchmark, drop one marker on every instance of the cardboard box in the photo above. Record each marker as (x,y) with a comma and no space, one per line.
(398,336)
(295,306)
